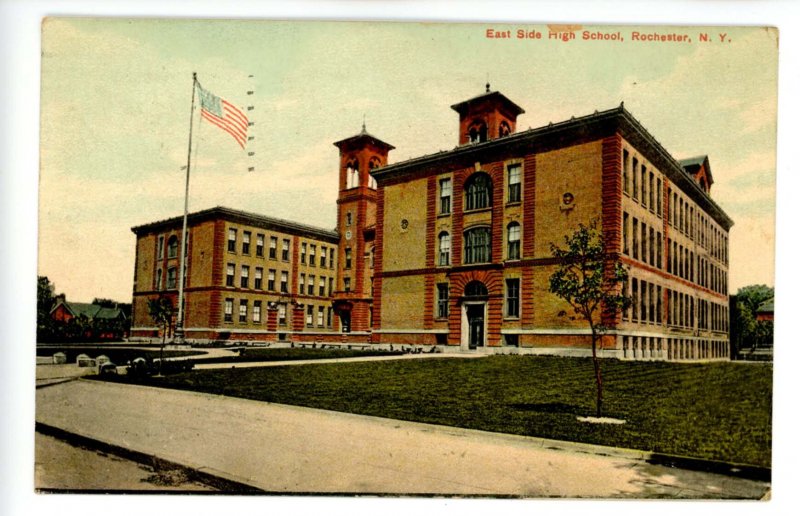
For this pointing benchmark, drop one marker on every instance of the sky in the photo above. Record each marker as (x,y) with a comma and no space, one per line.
(116,97)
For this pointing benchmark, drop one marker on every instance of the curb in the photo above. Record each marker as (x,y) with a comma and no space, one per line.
(221,483)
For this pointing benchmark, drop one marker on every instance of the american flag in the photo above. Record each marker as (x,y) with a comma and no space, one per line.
(224,115)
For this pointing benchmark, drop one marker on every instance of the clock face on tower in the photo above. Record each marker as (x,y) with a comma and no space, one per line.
(348,235)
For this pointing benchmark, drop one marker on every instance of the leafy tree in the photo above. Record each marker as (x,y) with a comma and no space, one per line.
(46,327)
(161,311)
(746,330)
(753,295)
(590,282)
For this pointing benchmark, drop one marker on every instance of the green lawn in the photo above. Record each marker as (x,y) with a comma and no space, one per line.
(281,354)
(716,411)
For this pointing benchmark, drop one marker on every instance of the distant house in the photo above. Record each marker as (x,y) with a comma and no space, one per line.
(766,310)
(102,318)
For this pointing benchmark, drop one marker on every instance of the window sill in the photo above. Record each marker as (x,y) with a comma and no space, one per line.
(443,215)
(513,203)
(512,319)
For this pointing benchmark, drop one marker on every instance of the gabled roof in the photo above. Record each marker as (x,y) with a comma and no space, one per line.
(767,306)
(693,164)
(89,310)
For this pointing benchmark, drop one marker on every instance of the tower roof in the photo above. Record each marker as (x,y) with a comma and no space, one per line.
(361,138)
(494,96)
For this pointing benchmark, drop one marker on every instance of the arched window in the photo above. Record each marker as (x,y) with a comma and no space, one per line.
(352,174)
(477,132)
(477,245)
(513,241)
(171,277)
(475,289)
(478,192)
(444,248)
(374,162)
(505,129)
(172,247)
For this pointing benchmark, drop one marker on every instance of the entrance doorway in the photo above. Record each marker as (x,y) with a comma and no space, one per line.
(475,325)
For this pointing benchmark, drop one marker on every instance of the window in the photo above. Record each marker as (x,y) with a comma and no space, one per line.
(161,247)
(172,247)
(445,193)
(514,183)
(259,245)
(159,272)
(311,279)
(258,278)
(329,320)
(348,258)
(302,284)
(444,248)
(245,278)
(330,286)
(625,235)
(625,164)
(323,256)
(512,297)
(320,316)
(282,314)
(643,242)
(256,311)
(651,244)
(232,240)
(349,220)
(312,255)
(658,196)
(634,299)
(644,186)
(477,132)
(321,285)
(230,272)
(504,129)
(478,192)
(513,241)
(475,289)
(246,242)
(229,310)
(271,280)
(659,246)
(303,251)
(284,282)
(652,203)
(310,315)
(352,174)
(442,300)
(347,284)
(285,250)
(333,261)
(243,310)
(635,189)
(635,238)
(477,245)
(273,246)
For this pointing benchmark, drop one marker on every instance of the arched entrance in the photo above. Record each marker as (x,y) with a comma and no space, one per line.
(474,315)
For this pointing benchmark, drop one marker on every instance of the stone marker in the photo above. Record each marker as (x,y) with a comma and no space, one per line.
(60,358)
(83,360)
(102,359)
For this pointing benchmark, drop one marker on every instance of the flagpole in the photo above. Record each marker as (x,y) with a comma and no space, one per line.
(179,333)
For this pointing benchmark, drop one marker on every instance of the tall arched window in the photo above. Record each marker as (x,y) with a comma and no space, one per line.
(172,247)
(444,248)
(477,132)
(513,241)
(505,129)
(477,245)
(374,163)
(478,192)
(352,174)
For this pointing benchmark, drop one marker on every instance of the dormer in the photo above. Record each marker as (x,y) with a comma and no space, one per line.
(698,169)
(488,116)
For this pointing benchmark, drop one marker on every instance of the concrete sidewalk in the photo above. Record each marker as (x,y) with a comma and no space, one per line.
(286,449)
